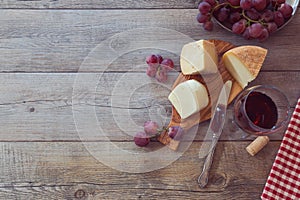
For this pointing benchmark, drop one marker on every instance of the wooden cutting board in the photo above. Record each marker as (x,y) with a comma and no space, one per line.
(214,88)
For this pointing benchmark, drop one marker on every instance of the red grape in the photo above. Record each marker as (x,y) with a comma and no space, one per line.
(246,4)
(255,30)
(267,16)
(151,128)
(259,5)
(208,26)
(250,18)
(152,59)
(239,27)
(175,132)
(278,18)
(272,27)
(286,10)
(246,33)
(264,35)
(151,71)
(141,139)
(202,18)
(234,2)
(159,58)
(223,14)
(253,14)
(167,64)
(161,76)
(204,7)
(158,67)
(234,17)
(211,2)
(277,2)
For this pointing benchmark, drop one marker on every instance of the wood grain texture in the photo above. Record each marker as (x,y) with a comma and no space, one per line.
(38,106)
(91,4)
(44,42)
(60,40)
(47,170)
(104,4)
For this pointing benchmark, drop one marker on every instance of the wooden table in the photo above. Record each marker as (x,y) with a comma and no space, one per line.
(43,44)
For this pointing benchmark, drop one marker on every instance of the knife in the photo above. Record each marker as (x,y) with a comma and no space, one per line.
(213,133)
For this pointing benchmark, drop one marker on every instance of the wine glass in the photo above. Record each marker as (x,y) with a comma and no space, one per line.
(261,110)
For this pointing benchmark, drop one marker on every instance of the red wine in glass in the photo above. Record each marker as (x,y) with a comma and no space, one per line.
(261,110)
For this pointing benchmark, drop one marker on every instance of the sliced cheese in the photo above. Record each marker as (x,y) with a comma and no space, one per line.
(188,98)
(244,63)
(199,57)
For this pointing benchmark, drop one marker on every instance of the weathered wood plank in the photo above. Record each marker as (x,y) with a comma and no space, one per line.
(60,40)
(99,192)
(104,4)
(38,106)
(58,170)
(91,4)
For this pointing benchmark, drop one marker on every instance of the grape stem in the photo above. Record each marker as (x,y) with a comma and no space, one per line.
(159,132)
(243,13)
(223,4)
(251,20)
(219,5)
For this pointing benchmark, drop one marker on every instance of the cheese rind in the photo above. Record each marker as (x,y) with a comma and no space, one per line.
(199,57)
(244,63)
(238,70)
(189,98)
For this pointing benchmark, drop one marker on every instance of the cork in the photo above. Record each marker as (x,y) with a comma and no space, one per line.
(257,145)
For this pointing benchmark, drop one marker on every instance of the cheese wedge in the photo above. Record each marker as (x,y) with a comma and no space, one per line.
(244,63)
(199,57)
(188,98)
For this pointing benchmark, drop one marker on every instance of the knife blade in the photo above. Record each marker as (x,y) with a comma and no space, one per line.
(213,133)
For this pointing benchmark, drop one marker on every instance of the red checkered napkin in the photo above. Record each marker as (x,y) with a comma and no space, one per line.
(284,180)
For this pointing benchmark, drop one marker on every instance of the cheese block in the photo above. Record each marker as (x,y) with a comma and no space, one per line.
(199,57)
(188,98)
(244,63)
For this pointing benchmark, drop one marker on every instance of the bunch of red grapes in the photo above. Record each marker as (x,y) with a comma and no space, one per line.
(253,19)
(151,131)
(158,67)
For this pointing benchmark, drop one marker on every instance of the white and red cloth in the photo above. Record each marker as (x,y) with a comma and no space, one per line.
(284,180)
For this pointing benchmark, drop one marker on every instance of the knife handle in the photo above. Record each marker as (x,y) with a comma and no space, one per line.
(203,178)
